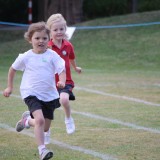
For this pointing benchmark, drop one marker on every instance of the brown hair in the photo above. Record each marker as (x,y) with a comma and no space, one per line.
(36,27)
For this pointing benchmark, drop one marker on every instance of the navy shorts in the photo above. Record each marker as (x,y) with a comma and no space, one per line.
(68,89)
(47,108)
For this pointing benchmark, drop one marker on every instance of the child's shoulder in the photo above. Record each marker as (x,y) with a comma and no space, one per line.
(51,52)
(25,54)
(67,43)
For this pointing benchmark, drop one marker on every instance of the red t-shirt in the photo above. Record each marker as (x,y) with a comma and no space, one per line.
(66,52)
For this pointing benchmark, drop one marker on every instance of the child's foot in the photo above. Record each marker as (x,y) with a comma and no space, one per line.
(46,154)
(70,126)
(21,123)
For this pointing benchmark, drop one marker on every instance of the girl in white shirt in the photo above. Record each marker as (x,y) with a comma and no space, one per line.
(38,88)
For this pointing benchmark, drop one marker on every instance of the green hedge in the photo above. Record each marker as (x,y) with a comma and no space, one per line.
(17,10)
(14,10)
(102,8)
(148,5)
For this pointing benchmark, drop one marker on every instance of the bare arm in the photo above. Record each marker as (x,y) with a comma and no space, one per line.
(73,63)
(62,79)
(8,90)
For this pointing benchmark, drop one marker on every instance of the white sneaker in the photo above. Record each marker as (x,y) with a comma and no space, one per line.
(47,138)
(70,126)
(46,154)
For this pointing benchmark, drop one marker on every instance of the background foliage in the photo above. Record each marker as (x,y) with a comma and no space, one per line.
(17,10)
(102,8)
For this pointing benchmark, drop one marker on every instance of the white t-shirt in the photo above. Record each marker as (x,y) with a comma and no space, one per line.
(39,74)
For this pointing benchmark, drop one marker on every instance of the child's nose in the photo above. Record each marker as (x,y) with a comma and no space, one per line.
(59,31)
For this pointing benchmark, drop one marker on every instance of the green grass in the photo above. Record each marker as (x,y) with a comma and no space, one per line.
(115,63)
(120,49)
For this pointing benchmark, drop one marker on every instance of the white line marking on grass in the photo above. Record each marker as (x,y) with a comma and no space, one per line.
(64,145)
(157,84)
(115,121)
(117,96)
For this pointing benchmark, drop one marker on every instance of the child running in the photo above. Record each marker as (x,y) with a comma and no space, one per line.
(59,43)
(38,88)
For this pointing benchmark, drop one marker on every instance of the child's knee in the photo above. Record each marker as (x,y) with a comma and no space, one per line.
(40,121)
(64,101)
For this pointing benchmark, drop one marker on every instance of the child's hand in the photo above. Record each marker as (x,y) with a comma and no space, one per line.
(78,69)
(60,84)
(7,92)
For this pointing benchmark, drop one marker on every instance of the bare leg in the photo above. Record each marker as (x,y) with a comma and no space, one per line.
(64,100)
(38,123)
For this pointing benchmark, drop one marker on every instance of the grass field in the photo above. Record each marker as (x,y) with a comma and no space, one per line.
(117,107)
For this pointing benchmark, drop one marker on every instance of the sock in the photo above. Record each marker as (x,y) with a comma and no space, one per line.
(47,137)
(40,148)
(47,133)
(68,119)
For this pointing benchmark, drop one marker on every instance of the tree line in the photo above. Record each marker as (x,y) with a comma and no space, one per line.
(74,11)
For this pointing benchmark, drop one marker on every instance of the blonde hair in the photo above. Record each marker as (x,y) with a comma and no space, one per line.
(36,27)
(56,18)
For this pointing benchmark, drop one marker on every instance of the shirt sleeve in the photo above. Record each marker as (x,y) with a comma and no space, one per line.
(19,64)
(59,64)
(71,52)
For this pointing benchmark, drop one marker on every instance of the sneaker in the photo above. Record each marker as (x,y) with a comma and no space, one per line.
(21,123)
(70,126)
(46,154)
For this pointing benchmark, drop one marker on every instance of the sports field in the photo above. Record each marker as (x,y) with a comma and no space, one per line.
(117,107)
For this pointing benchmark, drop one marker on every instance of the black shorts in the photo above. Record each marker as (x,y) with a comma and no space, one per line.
(47,108)
(68,89)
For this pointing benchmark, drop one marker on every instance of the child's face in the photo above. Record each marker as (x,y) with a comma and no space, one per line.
(39,41)
(58,30)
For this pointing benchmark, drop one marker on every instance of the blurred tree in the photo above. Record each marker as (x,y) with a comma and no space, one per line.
(70,9)
(134,6)
(74,11)
(14,11)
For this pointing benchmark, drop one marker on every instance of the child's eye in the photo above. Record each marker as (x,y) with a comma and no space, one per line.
(37,38)
(45,38)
